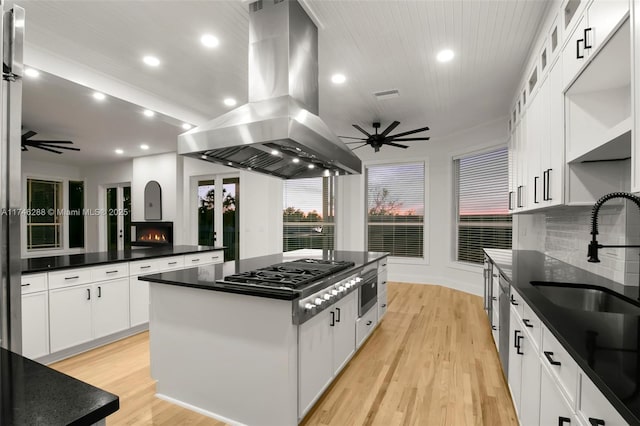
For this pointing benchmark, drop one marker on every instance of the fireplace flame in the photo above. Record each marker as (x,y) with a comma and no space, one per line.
(153,237)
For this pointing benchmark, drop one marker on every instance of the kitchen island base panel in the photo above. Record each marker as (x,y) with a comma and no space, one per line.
(198,410)
(231,355)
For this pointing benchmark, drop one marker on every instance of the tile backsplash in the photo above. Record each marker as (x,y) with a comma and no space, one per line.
(567,233)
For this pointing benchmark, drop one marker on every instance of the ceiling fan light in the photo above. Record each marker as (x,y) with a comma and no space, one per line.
(445,55)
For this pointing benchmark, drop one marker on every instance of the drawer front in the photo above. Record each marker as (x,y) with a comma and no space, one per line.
(382,265)
(365,325)
(204,258)
(32,283)
(564,368)
(69,277)
(110,272)
(143,267)
(554,408)
(593,405)
(170,263)
(532,325)
(495,328)
(382,304)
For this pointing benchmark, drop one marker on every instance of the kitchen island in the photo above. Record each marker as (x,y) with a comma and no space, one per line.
(259,354)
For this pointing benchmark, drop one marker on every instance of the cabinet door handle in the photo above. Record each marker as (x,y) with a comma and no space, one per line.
(195,260)
(544,186)
(338,311)
(333,318)
(494,298)
(25,285)
(520,196)
(535,189)
(145,267)
(596,422)
(516,341)
(369,322)
(172,263)
(549,184)
(563,420)
(510,198)
(513,301)
(72,278)
(578,55)
(548,355)
(493,327)
(587,45)
(384,305)
(99,291)
(111,272)
(88,294)
(518,345)
(527,323)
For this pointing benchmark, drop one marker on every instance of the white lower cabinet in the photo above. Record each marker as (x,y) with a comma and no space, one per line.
(382,304)
(515,361)
(35,324)
(365,325)
(530,382)
(79,314)
(593,407)
(139,301)
(554,408)
(325,343)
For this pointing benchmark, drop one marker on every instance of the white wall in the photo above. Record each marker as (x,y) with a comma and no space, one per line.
(438,153)
(96,179)
(47,169)
(162,168)
(260,205)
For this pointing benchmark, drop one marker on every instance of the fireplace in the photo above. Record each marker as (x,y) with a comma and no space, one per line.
(152,234)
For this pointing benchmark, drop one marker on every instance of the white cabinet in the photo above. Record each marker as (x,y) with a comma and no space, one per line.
(315,369)
(35,324)
(593,407)
(382,304)
(530,381)
(365,325)
(574,54)
(70,316)
(382,288)
(204,258)
(110,307)
(515,362)
(82,313)
(554,408)
(603,17)
(139,301)
(344,330)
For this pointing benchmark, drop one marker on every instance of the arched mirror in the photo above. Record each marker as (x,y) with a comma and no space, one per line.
(152,201)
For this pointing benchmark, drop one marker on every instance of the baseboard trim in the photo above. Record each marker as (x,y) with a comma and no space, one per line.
(199,410)
(85,347)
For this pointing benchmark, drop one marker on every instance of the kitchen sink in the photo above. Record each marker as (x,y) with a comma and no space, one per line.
(587,297)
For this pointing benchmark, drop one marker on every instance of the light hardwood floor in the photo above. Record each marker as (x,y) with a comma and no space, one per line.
(430,362)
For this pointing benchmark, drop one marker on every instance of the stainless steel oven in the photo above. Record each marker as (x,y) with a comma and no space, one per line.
(368,291)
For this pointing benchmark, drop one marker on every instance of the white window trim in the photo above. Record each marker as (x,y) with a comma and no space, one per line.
(453,259)
(424,260)
(65,219)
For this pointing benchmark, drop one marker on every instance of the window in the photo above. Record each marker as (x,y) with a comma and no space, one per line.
(483,219)
(395,209)
(308,214)
(44,231)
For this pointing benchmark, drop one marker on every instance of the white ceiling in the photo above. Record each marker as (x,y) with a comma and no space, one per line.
(378,45)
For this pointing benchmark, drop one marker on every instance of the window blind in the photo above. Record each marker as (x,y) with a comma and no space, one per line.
(395,209)
(308,213)
(482,192)
(44,199)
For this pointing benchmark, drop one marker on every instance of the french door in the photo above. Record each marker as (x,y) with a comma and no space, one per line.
(218,213)
(118,217)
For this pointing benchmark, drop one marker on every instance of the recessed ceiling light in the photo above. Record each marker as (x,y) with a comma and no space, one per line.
(209,40)
(296,160)
(327,172)
(99,96)
(148,113)
(229,163)
(152,61)
(144,146)
(119,151)
(230,102)
(338,78)
(311,166)
(32,72)
(275,152)
(204,157)
(445,55)
(186,126)
(248,168)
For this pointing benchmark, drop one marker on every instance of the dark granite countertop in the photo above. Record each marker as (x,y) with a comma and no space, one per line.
(52,263)
(616,370)
(33,394)
(206,277)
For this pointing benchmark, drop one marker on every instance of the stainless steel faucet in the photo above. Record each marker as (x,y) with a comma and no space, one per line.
(594,245)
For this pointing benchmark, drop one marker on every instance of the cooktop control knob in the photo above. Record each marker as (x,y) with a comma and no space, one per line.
(334,292)
(318,301)
(327,296)
(353,282)
(358,279)
(341,288)
(309,306)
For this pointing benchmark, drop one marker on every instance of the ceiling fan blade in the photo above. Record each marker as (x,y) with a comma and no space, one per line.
(351,137)
(359,146)
(426,138)
(360,141)
(68,148)
(50,141)
(397,145)
(47,149)
(361,129)
(29,134)
(390,128)
(410,132)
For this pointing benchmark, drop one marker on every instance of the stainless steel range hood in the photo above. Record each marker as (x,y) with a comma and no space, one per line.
(278,132)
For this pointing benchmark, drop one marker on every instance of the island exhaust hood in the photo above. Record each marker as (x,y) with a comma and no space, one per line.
(278,132)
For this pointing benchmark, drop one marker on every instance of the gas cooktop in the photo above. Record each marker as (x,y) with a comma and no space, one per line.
(291,275)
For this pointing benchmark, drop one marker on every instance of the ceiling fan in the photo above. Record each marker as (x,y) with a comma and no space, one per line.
(376,140)
(47,145)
